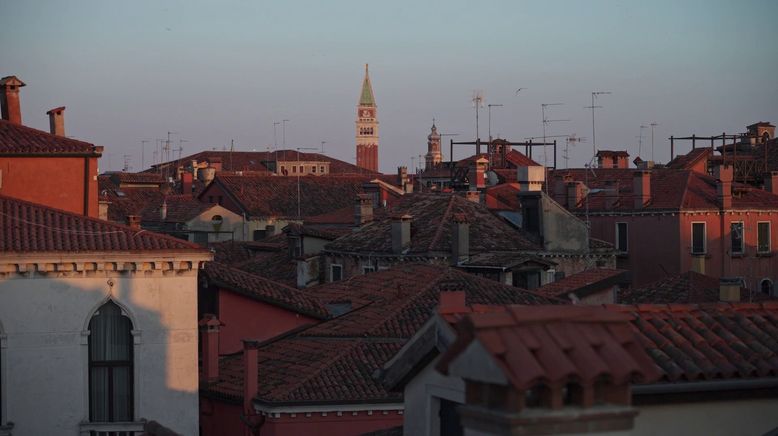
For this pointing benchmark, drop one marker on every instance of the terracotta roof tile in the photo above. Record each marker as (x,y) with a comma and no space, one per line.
(29,227)
(265,290)
(599,278)
(16,139)
(688,287)
(519,159)
(687,161)
(504,196)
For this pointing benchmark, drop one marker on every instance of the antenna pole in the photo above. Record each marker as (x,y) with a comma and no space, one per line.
(654,124)
(593,107)
(283,129)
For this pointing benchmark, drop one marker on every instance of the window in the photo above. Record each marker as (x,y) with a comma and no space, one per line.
(763,237)
(336,273)
(621,237)
(295,247)
(736,236)
(699,244)
(294,168)
(368,269)
(313,168)
(321,168)
(766,286)
(110,365)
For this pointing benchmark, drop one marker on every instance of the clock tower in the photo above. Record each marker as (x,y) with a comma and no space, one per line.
(367,127)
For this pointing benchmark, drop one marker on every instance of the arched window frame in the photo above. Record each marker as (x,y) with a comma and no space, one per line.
(770,282)
(136,355)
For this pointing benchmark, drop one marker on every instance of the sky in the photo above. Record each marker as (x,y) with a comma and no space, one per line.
(215,72)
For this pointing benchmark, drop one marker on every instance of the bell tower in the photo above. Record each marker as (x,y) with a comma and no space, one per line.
(367,127)
(433,156)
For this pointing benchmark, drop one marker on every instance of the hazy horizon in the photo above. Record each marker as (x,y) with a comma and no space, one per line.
(216,72)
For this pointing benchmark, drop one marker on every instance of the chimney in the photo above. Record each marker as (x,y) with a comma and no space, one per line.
(133,221)
(102,209)
(477,173)
(604,160)
(402,177)
(401,233)
(9,99)
(451,302)
(250,375)
(363,210)
(209,338)
(163,211)
(641,188)
(531,178)
(771,182)
(473,196)
(724,175)
(460,239)
(215,163)
(208,174)
(57,121)
(186,183)
(194,169)
(729,290)
(611,193)
(575,193)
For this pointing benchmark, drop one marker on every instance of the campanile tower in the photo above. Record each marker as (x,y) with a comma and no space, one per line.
(367,127)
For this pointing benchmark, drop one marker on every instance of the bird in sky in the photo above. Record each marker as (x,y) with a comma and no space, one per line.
(518,90)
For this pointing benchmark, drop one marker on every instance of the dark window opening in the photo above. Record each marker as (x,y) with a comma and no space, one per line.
(538,396)
(572,395)
(698,238)
(766,287)
(110,365)
(763,237)
(736,236)
(336,272)
(450,423)
(622,237)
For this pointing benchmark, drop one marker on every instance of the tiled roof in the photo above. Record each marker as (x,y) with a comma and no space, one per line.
(334,361)
(254,160)
(688,287)
(508,259)
(119,177)
(127,201)
(687,161)
(275,196)
(599,278)
(265,290)
(17,139)
(621,153)
(519,159)
(276,265)
(504,196)
(556,344)
(692,342)
(671,189)
(431,228)
(329,234)
(180,209)
(230,252)
(29,227)
(397,302)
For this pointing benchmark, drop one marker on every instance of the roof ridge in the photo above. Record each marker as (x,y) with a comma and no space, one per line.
(444,219)
(685,189)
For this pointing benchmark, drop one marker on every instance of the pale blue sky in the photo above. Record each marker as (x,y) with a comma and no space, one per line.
(216,71)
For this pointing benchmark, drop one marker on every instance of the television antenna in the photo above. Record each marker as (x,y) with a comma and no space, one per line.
(180,147)
(595,94)
(322,146)
(126,167)
(640,140)
(654,124)
(571,139)
(478,102)
(275,138)
(143,152)
(546,122)
(490,106)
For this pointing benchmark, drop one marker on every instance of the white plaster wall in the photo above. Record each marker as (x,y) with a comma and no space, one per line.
(726,418)
(231,222)
(422,396)
(46,368)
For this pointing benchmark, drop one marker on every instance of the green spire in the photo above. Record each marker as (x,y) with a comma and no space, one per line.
(366,99)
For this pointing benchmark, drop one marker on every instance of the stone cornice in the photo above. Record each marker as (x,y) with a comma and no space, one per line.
(109,261)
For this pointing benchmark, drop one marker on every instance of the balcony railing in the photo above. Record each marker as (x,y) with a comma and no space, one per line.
(112,428)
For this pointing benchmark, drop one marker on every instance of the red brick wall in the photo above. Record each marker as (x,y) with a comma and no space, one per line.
(246,318)
(317,425)
(218,418)
(56,182)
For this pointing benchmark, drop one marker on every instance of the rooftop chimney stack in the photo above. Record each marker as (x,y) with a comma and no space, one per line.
(402,178)
(729,290)
(575,193)
(250,375)
(477,173)
(771,182)
(531,178)
(186,183)
(363,210)
(460,239)
(57,121)
(401,233)
(9,99)
(724,175)
(641,187)
(194,169)
(209,333)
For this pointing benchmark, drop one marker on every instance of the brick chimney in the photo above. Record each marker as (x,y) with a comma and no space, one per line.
(9,99)
(363,209)
(531,178)
(250,375)
(194,169)
(186,183)
(133,221)
(209,353)
(402,179)
(575,193)
(477,173)
(724,175)
(57,121)
(641,188)
(452,302)
(401,233)
(729,290)
(460,239)
(771,182)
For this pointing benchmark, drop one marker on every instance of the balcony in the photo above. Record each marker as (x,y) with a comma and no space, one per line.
(112,428)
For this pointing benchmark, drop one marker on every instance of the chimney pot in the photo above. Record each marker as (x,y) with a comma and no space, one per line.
(209,328)
(724,175)
(460,239)
(401,233)
(194,169)
(57,121)
(250,375)
(9,99)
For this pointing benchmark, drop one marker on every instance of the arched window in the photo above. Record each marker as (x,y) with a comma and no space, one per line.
(110,365)
(766,286)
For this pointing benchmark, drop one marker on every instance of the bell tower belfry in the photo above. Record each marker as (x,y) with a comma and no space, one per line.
(433,156)
(367,127)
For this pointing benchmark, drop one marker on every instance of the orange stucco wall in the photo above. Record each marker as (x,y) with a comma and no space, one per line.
(56,182)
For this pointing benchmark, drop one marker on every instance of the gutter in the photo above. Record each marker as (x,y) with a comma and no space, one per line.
(705,386)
